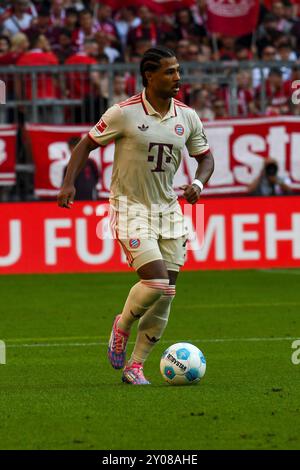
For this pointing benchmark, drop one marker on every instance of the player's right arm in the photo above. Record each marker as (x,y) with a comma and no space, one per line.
(109,128)
(77,162)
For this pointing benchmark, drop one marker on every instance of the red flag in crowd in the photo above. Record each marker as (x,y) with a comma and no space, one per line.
(156,6)
(232,17)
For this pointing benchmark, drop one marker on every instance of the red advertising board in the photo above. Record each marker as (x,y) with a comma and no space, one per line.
(238,233)
(7,155)
(239,147)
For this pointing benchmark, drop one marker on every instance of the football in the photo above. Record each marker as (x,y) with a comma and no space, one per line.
(182,364)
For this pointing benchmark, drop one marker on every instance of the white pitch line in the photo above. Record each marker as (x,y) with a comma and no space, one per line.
(242,305)
(280,271)
(170,341)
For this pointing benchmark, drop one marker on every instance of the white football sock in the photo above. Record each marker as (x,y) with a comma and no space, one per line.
(152,326)
(141,296)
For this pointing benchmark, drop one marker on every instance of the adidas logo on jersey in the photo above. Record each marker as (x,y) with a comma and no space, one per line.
(143,127)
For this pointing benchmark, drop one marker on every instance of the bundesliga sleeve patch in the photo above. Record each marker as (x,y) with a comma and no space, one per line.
(101,126)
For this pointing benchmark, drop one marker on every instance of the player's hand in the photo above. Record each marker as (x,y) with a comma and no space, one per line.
(191,192)
(66,196)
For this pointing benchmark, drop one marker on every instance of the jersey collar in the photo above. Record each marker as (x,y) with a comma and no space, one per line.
(148,108)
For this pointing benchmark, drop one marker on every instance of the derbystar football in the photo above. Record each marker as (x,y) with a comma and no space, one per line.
(182,364)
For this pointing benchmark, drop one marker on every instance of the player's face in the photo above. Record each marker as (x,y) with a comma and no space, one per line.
(165,81)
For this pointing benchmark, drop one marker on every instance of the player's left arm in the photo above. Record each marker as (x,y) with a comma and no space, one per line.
(204,171)
(198,148)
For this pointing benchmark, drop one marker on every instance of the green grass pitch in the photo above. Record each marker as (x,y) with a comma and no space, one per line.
(57,390)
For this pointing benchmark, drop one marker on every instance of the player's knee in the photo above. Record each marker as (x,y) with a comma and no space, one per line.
(156,287)
(154,270)
(145,293)
(157,317)
(169,293)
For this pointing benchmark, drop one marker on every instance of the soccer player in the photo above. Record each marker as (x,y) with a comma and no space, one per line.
(150,131)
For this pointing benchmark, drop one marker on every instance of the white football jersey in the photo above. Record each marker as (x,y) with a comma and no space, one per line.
(148,148)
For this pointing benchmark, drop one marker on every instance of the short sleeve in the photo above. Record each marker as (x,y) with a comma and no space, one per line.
(110,126)
(197,143)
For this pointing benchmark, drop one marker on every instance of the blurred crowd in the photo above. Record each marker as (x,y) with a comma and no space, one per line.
(55,32)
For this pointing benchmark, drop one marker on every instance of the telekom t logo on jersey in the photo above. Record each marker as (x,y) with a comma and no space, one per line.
(160,155)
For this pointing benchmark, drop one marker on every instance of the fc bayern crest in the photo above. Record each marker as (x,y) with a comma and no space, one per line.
(179,129)
(134,243)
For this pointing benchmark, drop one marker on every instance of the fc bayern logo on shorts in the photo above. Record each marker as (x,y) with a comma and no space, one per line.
(134,243)
(179,129)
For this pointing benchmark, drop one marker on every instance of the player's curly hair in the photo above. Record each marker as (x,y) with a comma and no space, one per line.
(151,60)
